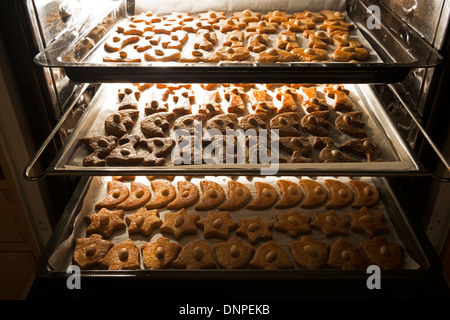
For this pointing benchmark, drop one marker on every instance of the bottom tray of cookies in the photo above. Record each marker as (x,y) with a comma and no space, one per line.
(222,222)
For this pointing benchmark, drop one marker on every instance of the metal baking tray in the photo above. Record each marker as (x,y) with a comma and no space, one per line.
(397,156)
(397,47)
(57,255)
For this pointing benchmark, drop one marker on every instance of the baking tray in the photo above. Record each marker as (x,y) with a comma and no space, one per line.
(395,45)
(57,255)
(397,156)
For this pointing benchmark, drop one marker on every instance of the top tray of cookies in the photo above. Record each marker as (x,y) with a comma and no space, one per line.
(321,46)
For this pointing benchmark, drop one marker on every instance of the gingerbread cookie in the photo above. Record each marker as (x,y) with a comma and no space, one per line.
(105,222)
(334,25)
(262,27)
(316,123)
(199,55)
(166,27)
(183,99)
(123,256)
(277,16)
(342,101)
(159,254)
(288,97)
(298,25)
(309,54)
(165,193)
(235,96)
(118,42)
(118,124)
(88,251)
(344,255)
(333,15)
(270,256)
(257,42)
(143,221)
(157,102)
(233,254)
(212,195)
(238,196)
(340,194)
(188,194)
(266,195)
(158,148)
(162,55)
(122,56)
(260,104)
(146,17)
(232,53)
(189,123)
(309,253)
(227,25)
(298,147)
(291,194)
(292,223)
(274,55)
(310,15)
(134,28)
(157,124)
(344,39)
(317,39)
(195,255)
(253,122)
(329,223)
(234,39)
(211,16)
(117,193)
(255,229)
(346,54)
(210,105)
(180,223)
(99,147)
(315,193)
(287,124)
(195,25)
(311,101)
(205,40)
(247,15)
(139,195)
(287,40)
(362,147)
(350,123)
(332,154)
(217,224)
(179,17)
(368,222)
(125,153)
(222,122)
(380,252)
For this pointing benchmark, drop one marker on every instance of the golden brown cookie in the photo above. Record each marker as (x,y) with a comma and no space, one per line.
(180,223)
(277,16)
(368,222)
(344,39)
(333,15)
(195,25)
(105,222)
(247,15)
(260,103)
(274,55)
(143,221)
(316,123)
(298,25)
(309,54)
(118,42)
(293,223)
(210,103)
(123,178)
(310,15)
(117,193)
(183,99)
(344,255)
(139,195)
(238,196)
(233,254)
(366,194)
(346,54)
(99,147)
(350,124)
(270,256)
(287,124)
(311,101)
(362,147)
(232,53)
(122,56)
(309,253)
(334,25)
(315,193)
(227,25)
(287,40)
(188,194)
(262,27)
(317,39)
(380,252)
(166,27)
(205,40)
(330,223)
(162,55)
(342,101)
(266,195)
(88,251)
(123,256)
(288,97)
(195,255)
(340,194)
(233,39)
(165,193)
(291,194)
(159,254)
(217,224)
(212,16)
(212,195)
(257,42)
(255,229)
(235,96)
(198,55)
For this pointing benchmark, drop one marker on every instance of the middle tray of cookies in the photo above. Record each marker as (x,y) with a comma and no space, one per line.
(235,129)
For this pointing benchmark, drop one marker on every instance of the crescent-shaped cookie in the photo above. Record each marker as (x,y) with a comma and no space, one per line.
(188,194)
(238,196)
(212,195)
(340,194)
(117,192)
(165,193)
(139,195)
(266,195)
(315,193)
(291,194)
(366,194)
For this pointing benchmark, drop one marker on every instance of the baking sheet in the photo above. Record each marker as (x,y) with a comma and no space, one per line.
(62,256)
(396,155)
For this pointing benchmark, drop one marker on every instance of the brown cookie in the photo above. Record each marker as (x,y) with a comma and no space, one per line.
(253,122)
(292,223)
(291,194)
(195,25)
(287,124)
(380,252)
(158,148)
(309,54)
(247,15)
(298,147)
(99,147)
(274,55)
(87,252)
(189,122)
(362,147)
(270,256)
(125,153)
(117,192)
(344,39)
(366,194)
(329,223)
(235,96)
(166,27)
(311,101)
(342,101)
(277,16)
(227,25)
(232,53)
(346,54)
(255,229)
(238,196)
(266,195)
(188,194)
(298,25)
(157,124)
(315,193)
(159,254)
(349,123)
(340,194)
(333,15)
(309,253)
(263,27)
(105,222)
(222,122)
(180,223)
(344,255)
(123,256)
(195,255)
(310,15)
(158,101)
(260,103)
(233,254)
(288,97)
(162,55)
(128,98)
(143,221)
(205,40)
(316,123)
(210,103)
(198,55)
(165,193)
(139,195)
(183,99)
(368,222)
(146,17)
(317,39)
(334,25)
(212,16)
(233,39)
(257,42)
(287,40)
(331,154)
(217,224)
(212,195)
(118,123)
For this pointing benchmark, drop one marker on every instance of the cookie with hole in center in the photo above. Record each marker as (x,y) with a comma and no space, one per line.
(188,194)
(143,221)
(309,253)
(212,195)
(180,223)
(271,256)
(159,254)
(139,195)
(217,224)
(195,255)
(233,254)
(88,251)
(165,193)
(266,195)
(292,223)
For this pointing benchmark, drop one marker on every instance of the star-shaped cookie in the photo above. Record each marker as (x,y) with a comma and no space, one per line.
(217,224)
(293,223)
(143,221)
(329,223)
(105,222)
(180,223)
(368,222)
(255,229)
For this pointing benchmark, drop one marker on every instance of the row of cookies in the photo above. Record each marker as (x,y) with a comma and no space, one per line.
(307,193)
(96,253)
(185,38)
